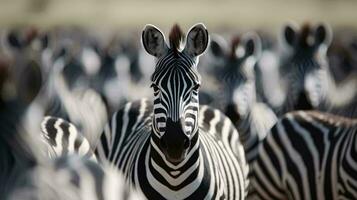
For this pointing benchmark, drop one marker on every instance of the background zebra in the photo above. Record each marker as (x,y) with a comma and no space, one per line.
(174,149)
(307,155)
(234,71)
(302,68)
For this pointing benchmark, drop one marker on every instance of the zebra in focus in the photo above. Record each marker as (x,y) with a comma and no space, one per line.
(25,170)
(174,148)
(235,72)
(307,155)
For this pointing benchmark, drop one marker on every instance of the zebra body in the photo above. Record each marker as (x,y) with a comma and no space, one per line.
(214,170)
(307,155)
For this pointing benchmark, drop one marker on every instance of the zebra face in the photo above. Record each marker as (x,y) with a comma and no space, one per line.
(28,47)
(235,73)
(306,60)
(175,83)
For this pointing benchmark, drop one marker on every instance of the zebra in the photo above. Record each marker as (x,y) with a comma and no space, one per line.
(25,170)
(305,71)
(237,96)
(307,155)
(69,88)
(59,92)
(174,148)
(302,68)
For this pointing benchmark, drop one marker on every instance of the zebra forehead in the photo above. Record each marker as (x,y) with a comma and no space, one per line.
(176,63)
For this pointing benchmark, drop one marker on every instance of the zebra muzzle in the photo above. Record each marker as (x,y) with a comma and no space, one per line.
(174,143)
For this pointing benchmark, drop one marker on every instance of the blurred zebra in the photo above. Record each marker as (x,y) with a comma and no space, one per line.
(175,149)
(302,68)
(307,155)
(235,73)
(69,88)
(25,170)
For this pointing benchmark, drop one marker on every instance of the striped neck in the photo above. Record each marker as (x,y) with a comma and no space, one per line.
(172,179)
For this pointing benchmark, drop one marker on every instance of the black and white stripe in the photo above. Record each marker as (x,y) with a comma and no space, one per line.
(174,148)
(307,155)
(63,138)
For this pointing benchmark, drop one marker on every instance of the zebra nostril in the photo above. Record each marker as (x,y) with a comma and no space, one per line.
(186,143)
(163,144)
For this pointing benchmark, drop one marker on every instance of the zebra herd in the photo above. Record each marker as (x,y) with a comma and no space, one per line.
(79,120)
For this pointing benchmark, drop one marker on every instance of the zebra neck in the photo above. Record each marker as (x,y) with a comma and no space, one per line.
(164,175)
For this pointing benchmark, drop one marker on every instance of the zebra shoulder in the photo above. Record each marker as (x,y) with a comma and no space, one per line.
(62,138)
(213,121)
(133,115)
(133,118)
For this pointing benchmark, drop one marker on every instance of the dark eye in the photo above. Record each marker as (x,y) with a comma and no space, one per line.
(155,87)
(196,87)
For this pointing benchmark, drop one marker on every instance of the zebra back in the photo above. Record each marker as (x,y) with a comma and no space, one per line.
(307,155)
(62,138)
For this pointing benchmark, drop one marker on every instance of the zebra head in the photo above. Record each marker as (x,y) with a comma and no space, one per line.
(28,46)
(235,72)
(175,82)
(305,65)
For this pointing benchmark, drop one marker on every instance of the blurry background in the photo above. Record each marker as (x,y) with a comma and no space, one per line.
(129,14)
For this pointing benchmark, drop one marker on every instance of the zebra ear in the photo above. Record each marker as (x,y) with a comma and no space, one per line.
(13,40)
(290,35)
(218,46)
(253,45)
(197,40)
(154,41)
(323,34)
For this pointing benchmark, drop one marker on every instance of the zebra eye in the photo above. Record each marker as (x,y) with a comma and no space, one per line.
(196,87)
(155,87)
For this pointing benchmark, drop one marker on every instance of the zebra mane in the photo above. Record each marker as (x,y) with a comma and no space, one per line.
(176,37)
(234,44)
(304,34)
